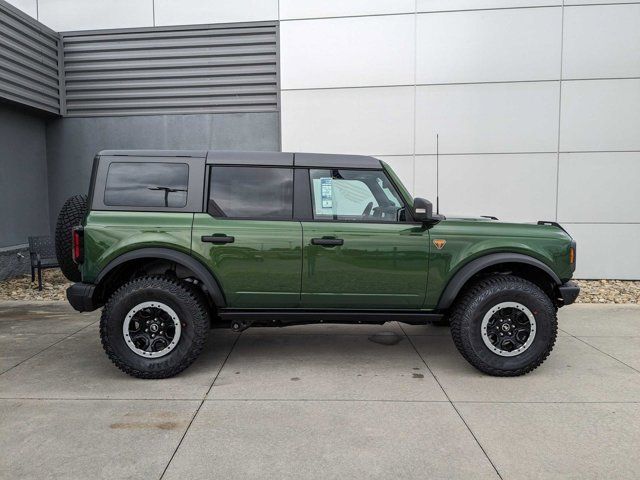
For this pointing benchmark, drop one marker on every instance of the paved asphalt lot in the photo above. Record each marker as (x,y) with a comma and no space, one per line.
(329,401)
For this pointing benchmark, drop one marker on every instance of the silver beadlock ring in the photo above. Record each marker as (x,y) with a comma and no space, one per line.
(494,310)
(161,306)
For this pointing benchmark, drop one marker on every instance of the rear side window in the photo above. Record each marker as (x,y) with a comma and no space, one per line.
(251,192)
(137,184)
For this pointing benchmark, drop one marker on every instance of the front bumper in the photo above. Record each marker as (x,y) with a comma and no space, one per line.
(80,296)
(568,292)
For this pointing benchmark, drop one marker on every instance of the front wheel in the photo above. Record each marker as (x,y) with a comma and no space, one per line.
(504,325)
(154,327)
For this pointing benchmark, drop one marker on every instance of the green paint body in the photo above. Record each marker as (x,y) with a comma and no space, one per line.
(272,264)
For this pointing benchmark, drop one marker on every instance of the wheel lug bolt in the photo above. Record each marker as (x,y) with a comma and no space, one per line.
(153,335)
(146,329)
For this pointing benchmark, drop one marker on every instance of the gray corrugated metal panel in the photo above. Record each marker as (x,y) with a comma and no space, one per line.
(29,64)
(213,68)
(152,74)
(48,89)
(181,110)
(326,160)
(227,80)
(249,158)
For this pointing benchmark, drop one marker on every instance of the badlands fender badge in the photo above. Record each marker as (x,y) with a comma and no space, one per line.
(439,243)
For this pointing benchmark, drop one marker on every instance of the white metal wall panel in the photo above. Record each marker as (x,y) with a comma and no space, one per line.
(606,251)
(374,121)
(601,41)
(66,15)
(450,5)
(29,66)
(487,118)
(425,182)
(290,9)
(510,187)
(204,69)
(600,115)
(362,51)
(488,46)
(403,166)
(30,7)
(614,197)
(596,2)
(189,12)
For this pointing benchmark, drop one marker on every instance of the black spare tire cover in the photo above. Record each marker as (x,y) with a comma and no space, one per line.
(71,215)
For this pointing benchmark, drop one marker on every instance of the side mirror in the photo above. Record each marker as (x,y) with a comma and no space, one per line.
(422,210)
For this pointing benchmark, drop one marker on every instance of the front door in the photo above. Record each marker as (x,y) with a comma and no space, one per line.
(359,250)
(248,237)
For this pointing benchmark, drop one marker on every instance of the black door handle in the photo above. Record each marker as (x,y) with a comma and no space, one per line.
(327,242)
(217,238)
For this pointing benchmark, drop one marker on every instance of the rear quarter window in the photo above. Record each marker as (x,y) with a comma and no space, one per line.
(147,184)
(251,192)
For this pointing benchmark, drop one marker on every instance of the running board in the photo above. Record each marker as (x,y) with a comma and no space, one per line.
(243,319)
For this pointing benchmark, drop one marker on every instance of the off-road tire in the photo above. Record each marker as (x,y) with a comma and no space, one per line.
(476,300)
(188,304)
(71,215)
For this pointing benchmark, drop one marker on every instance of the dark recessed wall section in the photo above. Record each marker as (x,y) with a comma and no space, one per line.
(24,205)
(73,142)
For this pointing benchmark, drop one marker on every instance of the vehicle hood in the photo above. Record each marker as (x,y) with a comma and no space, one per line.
(491,227)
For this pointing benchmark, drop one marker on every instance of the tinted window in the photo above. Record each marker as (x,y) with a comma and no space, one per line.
(142,184)
(251,192)
(357,195)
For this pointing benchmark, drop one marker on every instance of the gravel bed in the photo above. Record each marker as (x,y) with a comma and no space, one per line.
(55,284)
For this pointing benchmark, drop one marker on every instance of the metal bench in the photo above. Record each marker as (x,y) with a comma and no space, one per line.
(42,251)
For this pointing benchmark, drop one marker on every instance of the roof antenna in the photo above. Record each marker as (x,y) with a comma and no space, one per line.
(437,174)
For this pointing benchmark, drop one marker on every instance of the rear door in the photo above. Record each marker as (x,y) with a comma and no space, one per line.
(360,250)
(248,237)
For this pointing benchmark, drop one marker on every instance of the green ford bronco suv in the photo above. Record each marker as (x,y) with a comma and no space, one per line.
(172,243)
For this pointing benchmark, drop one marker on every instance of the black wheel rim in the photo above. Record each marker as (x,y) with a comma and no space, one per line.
(508,329)
(151,329)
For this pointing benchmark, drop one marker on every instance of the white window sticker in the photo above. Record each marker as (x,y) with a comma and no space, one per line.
(326,192)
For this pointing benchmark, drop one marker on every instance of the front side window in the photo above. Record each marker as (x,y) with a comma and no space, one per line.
(251,192)
(146,184)
(355,195)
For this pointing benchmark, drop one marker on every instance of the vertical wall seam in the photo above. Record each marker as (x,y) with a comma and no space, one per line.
(278,80)
(559,109)
(415,94)
(153,11)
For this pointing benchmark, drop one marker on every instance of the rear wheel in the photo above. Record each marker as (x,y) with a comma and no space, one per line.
(504,325)
(154,327)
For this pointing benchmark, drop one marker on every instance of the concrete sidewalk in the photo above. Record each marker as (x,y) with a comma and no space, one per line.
(344,402)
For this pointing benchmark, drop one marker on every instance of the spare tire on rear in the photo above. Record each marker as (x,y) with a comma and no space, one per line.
(71,215)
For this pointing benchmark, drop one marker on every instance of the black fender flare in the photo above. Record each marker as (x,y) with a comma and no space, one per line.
(203,273)
(470,269)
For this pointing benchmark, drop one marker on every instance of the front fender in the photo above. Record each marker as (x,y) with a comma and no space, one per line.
(467,271)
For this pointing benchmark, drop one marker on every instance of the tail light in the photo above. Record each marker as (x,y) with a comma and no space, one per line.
(78,245)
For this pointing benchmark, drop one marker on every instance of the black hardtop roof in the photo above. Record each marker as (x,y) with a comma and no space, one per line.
(217,157)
